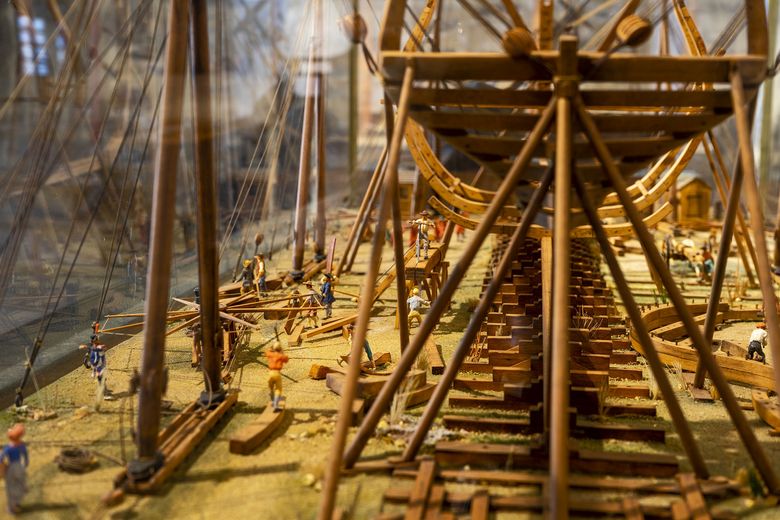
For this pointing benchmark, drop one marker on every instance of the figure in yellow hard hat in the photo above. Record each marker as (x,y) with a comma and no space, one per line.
(415,303)
(424,225)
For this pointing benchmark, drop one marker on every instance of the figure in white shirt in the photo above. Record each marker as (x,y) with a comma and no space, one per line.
(757,343)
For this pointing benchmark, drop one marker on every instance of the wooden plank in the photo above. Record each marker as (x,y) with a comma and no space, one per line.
(435,502)
(624,432)
(767,408)
(633,374)
(482,455)
(181,443)
(613,410)
(434,358)
(480,505)
(618,122)
(246,440)
(691,493)
(422,487)
(618,68)
(629,392)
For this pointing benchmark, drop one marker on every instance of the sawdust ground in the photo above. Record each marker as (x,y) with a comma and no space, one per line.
(281,479)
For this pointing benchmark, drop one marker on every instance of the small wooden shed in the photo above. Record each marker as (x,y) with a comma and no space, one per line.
(694,197)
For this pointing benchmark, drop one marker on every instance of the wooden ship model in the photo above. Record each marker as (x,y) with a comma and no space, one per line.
(576,133)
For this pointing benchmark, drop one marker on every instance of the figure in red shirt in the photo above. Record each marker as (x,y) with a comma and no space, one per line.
(276,360)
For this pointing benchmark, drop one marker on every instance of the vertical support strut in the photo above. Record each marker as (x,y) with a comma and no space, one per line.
(391,190)
(441,303)
(565,87)
(705,352)
(160,251)
(757,226)
(470,334)
(328,500)
(206,194)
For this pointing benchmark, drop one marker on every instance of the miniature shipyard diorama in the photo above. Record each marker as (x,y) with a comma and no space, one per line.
(229,285)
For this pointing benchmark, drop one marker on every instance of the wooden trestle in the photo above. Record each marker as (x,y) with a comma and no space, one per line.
(505,371)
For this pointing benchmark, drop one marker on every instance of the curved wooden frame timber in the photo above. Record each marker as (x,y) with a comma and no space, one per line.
(736,370)
(536,231)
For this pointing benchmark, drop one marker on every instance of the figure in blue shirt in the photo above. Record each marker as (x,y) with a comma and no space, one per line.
(326,289)
(14,457)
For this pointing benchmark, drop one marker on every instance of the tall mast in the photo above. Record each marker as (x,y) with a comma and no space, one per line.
(208,268)
(319,222)
(304,169)
(160,251)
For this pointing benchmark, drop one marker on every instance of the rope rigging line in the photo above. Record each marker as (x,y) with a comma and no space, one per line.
(36,178)
(49,316)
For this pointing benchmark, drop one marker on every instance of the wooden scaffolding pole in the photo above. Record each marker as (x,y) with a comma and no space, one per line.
(440,304)
(391,190)
(475,322)
(558,404)
(705,352)
(757,226)
(206,196)
(635,315)
(161,243)
(366,301)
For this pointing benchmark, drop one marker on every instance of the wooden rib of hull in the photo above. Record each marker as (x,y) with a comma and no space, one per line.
(536,231)
(736,370)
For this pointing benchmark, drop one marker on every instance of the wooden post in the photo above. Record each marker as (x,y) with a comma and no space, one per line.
(565,87)
(440,304)
(206,193)
(160,251)
(366,301)
(304,167)
(705,352)
(478,316)
(391,190)
(719,274)
(354,103)
(382,169)
(635,315)
(757,226)
(353,236)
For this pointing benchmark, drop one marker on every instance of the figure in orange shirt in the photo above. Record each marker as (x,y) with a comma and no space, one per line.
(276,361)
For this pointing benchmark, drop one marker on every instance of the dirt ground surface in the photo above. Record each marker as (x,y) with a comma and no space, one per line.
(282,479)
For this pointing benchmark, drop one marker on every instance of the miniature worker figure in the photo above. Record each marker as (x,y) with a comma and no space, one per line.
(366,346)
(276,361)
(326,290)
(424,225)
(757,343)
(246,277)
(415,303)
(260,275)
(95,357)
(312,299)
(14,458)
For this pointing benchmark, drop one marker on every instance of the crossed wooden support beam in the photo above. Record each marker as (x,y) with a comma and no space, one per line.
(566,106)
